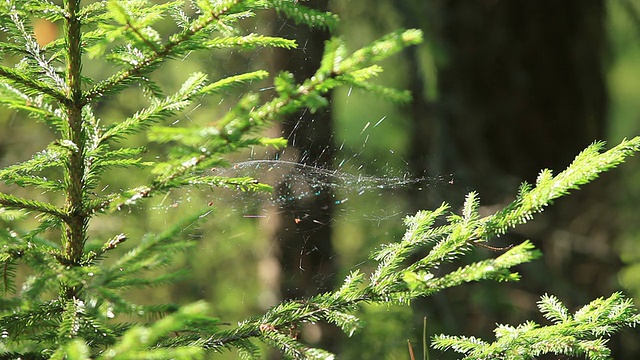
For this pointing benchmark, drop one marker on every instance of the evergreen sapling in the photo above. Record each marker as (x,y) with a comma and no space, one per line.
(70,302)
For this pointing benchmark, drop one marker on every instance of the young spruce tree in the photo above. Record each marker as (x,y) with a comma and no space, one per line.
(64,293)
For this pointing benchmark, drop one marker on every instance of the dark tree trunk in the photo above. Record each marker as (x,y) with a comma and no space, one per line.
(521,89)
(302,231)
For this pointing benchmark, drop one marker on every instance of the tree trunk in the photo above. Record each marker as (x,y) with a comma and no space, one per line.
(301,231)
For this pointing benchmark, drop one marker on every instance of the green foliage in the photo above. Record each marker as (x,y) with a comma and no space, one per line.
(73,303)
(580,334)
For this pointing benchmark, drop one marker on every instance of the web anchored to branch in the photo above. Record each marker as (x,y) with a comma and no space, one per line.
(85,236)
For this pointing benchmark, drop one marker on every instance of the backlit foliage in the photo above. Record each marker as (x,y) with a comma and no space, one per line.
(70,302)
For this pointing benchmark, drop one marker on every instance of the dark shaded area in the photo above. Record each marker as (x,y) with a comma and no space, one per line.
(526,78)
(302,234)
(521,88)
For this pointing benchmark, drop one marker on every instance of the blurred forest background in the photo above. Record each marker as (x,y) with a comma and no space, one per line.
(501,90)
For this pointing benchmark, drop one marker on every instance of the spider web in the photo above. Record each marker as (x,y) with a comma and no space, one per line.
(305,181)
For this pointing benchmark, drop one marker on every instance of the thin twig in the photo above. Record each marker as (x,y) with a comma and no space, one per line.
(489,247)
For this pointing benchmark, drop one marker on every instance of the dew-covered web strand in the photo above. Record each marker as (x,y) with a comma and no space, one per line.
(273,171)
(303,180)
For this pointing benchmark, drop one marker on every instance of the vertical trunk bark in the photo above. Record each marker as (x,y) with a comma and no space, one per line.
(302,232)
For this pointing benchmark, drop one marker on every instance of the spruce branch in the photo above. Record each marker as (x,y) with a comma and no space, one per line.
(110,244)
(36,106)
(80,323)
(336,307)
(394,281)
(23,174)
(250,41)
(305,15)
(159,109)
(425,283)
(23,324)
(13,202)
(31,84)
(139,342)
(33,48)
(248,116)
(580,334)
(150,62)
(585,168)
(9,269)
(191,37)
(232,81)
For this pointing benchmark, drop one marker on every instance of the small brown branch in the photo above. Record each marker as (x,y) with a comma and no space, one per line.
(411,355)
